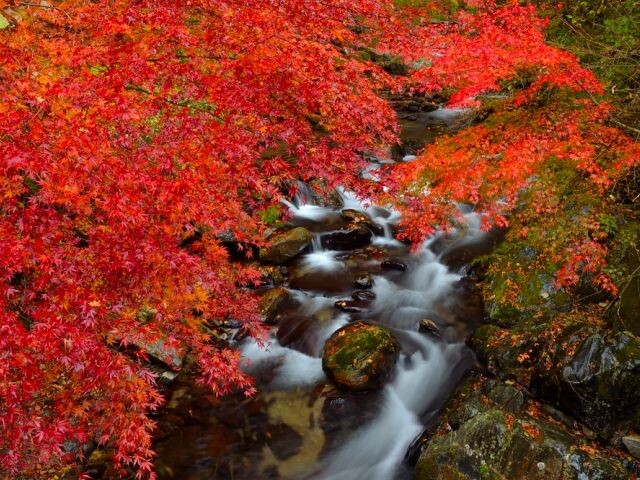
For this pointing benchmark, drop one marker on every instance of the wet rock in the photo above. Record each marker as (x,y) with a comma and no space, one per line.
(344,412)
(625,261)
(599,384)
(364,281)
(590,374)
(303,276)
(354,216)
(414,104)
(380,212)
(284,246)
(292,330)
(300,331)
(393,264)
(493,442)
(430,328)
(363,295)
(271,303)
(354,235)
(632,442)
(360,356)
(456,253)
(350,306)
(419,445)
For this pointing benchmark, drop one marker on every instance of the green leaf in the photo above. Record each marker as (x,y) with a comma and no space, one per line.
(4,23)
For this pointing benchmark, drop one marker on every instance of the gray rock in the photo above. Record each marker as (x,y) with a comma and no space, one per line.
(632,442)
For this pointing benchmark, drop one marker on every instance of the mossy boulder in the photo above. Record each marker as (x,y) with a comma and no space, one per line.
(497,439)
(284,246)
(624,268)
(509,353)
(587,372)
(360,356)
(520,285)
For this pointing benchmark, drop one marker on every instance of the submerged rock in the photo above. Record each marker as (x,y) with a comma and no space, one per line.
(354,235)
(285,245)
(360,356)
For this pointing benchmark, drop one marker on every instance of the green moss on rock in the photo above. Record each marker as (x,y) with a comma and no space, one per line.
(360,356)
(500,443)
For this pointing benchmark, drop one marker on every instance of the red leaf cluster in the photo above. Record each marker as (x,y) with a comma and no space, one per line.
(127,128)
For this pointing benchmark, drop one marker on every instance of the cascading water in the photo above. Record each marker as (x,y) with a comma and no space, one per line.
(302,427)
(426,370)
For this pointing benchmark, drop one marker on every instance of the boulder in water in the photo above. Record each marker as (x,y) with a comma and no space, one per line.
(393,264)
(354,216)
(284,246)
(360,356)
(271,302)
(364,281)
(354,235)
(350,306)
(430,328)
(363,295)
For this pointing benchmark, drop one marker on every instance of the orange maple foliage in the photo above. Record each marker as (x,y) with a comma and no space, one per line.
(127,127)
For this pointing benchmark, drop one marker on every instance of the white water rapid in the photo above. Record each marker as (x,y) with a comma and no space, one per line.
(429,366)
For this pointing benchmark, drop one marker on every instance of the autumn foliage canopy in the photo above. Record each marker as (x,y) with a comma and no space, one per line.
(128,127)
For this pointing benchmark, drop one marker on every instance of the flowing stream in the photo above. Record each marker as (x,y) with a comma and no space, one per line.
(302,427)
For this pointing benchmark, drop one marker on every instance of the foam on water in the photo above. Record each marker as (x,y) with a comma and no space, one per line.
(291,367)
(324,261)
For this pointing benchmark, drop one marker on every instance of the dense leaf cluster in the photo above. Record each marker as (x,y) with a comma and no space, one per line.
(134,134)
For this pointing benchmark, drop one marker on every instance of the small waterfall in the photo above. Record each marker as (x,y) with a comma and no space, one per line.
(301,427)
(427,369)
